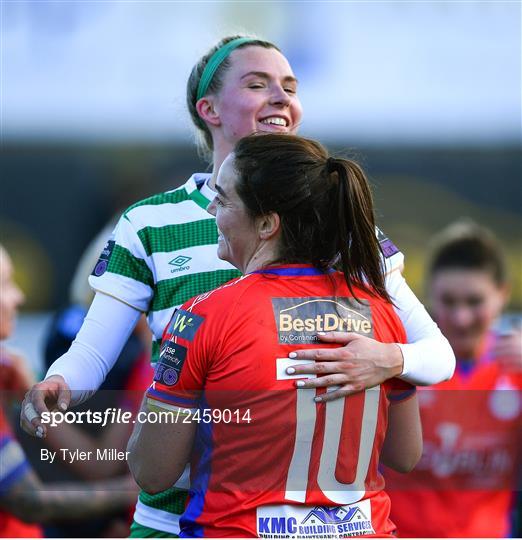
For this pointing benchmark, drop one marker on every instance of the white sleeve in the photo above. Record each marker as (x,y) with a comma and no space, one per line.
(428,356)
(104,332)
(124,270)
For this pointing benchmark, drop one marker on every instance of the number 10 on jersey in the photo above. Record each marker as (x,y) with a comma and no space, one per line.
(306,418)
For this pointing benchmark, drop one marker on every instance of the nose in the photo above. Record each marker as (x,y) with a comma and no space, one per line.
(279,96)
(211,208)
(462,317)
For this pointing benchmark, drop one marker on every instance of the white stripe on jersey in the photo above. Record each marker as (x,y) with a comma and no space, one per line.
(169,214)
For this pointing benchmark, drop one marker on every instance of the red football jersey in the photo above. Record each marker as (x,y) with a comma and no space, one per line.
(272,462)
(13,464)
(464,482)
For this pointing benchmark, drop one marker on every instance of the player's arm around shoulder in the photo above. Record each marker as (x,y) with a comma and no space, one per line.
(363,362)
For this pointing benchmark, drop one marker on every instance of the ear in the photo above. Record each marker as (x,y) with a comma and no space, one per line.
(207,111)
(268,226)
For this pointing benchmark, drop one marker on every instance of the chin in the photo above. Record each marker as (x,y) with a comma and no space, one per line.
(466,349)
(222,254)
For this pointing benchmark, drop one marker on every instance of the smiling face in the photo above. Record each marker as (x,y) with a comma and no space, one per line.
(259,93)
(465,304)
(10,296)
(238,238)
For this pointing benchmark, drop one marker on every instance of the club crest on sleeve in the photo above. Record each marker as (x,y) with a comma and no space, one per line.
(103,261)
(388,247)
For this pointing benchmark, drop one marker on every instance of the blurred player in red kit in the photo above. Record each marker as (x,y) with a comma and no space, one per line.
(464,484)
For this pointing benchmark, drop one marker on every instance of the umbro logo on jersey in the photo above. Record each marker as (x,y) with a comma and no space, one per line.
(180,262)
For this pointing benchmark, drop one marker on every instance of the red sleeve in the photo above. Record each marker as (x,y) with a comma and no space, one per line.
(180,372)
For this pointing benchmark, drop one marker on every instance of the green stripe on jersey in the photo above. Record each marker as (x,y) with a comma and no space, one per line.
(200,199)
(182,235)
(124,263)
(171,292)
(156,345)
(140,531)
(172,500)
(173,197)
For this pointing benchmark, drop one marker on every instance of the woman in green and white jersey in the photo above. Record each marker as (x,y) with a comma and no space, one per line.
(163,252)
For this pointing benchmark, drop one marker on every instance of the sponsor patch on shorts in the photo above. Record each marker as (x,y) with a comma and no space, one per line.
(103,262)
(299,319)
(289,521)
(171,360)
(388,247)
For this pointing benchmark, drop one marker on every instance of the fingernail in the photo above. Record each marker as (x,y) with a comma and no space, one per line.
(321,333)
(300,384)
(290,370)
(63,406)
(39,432)
(292,355)
(318,399)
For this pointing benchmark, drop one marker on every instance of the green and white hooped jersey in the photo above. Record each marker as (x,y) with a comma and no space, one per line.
(162,253)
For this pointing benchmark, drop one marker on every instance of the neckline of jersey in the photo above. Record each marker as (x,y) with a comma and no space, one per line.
(293,270)
(468,366)
(192,189)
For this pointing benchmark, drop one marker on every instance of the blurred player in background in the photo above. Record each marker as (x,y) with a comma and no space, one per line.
(24,499)
(464,484)
(163,252)
(286,212)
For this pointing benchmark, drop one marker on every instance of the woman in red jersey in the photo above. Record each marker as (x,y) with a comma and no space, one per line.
(266,460)
(466,482)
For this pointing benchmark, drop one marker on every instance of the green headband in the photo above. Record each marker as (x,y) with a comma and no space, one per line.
(215,61)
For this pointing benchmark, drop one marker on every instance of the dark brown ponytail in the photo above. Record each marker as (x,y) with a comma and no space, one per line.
(325,206)
(361,260)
